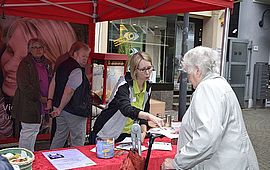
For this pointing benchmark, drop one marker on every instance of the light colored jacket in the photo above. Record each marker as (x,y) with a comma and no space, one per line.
(213,135)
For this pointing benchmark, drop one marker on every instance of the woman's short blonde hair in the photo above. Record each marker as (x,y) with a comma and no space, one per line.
(135,61)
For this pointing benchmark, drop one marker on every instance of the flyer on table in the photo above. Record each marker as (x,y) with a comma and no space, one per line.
(68,159)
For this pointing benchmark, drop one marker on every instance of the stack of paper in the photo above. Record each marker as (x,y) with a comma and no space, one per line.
(129,146)
(166,131)
(126,140)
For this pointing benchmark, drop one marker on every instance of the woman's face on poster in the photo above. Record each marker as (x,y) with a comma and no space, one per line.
(16,50)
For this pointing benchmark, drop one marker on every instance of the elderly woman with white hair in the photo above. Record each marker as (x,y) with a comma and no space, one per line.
(213,135)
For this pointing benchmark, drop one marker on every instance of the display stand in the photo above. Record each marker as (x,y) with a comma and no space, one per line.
(107,68)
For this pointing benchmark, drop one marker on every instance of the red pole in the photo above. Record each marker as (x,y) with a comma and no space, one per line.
(91,43)
(89,67)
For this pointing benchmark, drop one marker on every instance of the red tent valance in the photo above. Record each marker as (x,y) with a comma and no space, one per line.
(103,10)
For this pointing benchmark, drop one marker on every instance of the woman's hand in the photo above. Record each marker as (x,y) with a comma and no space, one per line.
(167,164)
(56,112)
(148,116)
(49,105)
(156,120)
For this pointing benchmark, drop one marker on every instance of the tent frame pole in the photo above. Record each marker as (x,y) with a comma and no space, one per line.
(141,11)
(45,4)
(224,42)
(67,8)
(57,4)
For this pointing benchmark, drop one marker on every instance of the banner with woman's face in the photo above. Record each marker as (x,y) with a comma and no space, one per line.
(15,33)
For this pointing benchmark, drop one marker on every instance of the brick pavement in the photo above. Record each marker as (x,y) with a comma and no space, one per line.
(258,126)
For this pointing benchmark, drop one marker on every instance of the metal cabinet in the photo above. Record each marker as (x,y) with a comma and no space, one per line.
(238,68)
(261,82)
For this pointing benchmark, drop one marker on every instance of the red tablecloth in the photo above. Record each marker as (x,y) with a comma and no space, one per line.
(156,158)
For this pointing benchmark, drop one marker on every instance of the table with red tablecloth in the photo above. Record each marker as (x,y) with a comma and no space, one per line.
(156,158)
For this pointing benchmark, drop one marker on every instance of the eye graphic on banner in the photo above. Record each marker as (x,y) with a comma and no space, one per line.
(128,36)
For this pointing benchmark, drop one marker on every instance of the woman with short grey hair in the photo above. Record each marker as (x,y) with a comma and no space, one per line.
(212,135)
(205,59)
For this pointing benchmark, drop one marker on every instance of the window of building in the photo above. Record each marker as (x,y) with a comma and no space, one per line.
(129,36)
(160,36)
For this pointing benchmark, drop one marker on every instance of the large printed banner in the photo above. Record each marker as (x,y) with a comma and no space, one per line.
(14,35)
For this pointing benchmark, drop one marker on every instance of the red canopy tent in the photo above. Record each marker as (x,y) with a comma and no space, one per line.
(103,10)
(91,11)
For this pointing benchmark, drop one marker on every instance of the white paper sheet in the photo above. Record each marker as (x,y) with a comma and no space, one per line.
(129,146)
(126,140)
(68,159)
(166,131)
(162,146)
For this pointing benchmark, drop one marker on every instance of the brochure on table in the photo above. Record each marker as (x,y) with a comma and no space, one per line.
(166,131)
(126,140)
(68,159)
(163,146)
(128,146)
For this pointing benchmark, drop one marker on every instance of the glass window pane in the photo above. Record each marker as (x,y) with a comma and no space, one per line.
(129,36)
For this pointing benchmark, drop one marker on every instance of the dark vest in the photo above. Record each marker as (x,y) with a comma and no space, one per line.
(79,104)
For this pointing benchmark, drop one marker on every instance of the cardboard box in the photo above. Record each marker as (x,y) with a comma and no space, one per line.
(157,107)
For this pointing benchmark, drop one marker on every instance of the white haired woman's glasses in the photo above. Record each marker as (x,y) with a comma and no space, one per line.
(145,69)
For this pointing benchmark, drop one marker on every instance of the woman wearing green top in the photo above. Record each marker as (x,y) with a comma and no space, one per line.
(129,102)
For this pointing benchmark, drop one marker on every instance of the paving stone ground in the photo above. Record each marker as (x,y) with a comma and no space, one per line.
(258,127)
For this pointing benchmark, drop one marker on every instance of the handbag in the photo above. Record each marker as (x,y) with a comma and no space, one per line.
(133,161)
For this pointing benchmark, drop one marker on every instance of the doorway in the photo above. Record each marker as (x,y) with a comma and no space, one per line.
(238,68)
